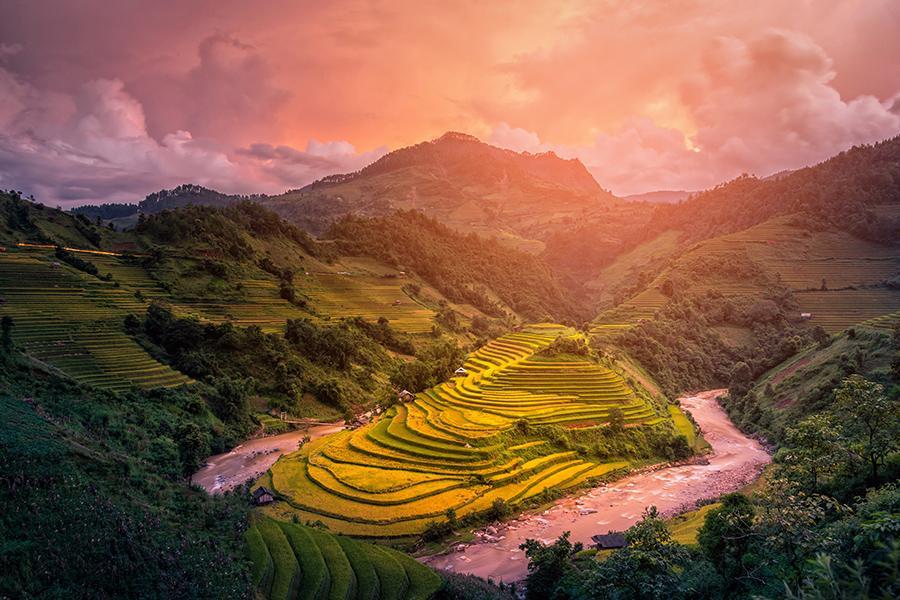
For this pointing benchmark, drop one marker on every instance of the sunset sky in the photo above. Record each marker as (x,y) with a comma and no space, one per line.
(109,100)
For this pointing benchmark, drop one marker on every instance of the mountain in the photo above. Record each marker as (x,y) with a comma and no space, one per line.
(520,198)
(188,194)
(659,197)
(461,181)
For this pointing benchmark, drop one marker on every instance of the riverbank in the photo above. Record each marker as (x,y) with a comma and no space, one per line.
(735,461)
(251,459)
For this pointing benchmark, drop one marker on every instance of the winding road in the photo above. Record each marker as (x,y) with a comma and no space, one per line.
(735,461)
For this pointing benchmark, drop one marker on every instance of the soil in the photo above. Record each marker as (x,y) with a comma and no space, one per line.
(735,461)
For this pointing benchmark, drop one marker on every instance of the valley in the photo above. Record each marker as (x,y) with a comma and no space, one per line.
(374,372)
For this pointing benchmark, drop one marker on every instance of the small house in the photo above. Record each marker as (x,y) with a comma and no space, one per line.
(610,541)
(261,496)
(806,316)
(461,372)
(406,396)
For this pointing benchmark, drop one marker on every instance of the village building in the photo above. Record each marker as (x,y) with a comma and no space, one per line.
(460,371)
(261,496)
(406,396)
(610,541)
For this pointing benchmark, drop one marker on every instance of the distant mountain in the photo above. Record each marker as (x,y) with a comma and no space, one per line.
(659,197)
(460,181)
(187,194)
(521,198)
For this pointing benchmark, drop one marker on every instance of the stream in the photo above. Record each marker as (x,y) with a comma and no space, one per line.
(735,461)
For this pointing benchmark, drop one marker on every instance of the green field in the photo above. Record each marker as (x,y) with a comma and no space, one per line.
(73,322)
(292,561)
(445,449)
(780,252)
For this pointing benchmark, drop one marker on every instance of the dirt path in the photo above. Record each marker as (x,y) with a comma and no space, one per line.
(735,461)
(251,459)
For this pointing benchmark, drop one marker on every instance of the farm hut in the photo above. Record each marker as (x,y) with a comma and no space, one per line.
(261,496)
(806,316)
(460,371)
(610,541)
(406,396)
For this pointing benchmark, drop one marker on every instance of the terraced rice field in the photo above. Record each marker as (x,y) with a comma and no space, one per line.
(837,310)
(368,296)
(296,562)
(884,322)
(73,322)
(445,449)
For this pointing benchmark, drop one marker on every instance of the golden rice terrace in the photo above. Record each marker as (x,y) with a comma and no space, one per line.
(459,445)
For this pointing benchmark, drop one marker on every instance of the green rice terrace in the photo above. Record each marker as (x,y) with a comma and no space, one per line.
(465,444)
(308,563)
(73,321)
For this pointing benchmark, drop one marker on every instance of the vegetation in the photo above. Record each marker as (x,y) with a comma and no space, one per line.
(334,363)
(93,496)
(683,351)
(464,268)
(311,563)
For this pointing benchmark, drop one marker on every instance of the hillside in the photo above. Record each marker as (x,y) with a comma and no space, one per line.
(804,384)
(460,181)
(79,464)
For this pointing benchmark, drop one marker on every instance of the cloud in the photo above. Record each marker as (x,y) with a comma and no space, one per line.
(288,165)
(98,149)
(759,105)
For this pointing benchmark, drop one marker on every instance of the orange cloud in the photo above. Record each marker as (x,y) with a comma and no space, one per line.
(619,76)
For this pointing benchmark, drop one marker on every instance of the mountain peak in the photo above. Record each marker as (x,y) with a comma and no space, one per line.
(457,136)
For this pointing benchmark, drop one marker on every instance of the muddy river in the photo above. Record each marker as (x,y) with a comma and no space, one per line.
(251,459)
(735,461)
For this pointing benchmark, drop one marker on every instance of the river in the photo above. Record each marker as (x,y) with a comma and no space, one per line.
(251,459)
(735,460)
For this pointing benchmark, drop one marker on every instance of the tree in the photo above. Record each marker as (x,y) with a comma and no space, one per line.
(616,421)
(870,420)
(548,566)
(230,399)
(725,537)
(813,450)
(6,325)
(193,446)
(648,567)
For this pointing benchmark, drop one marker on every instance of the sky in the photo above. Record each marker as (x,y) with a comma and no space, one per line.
(107,101)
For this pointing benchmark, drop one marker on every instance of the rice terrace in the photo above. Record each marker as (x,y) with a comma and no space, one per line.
(450,301)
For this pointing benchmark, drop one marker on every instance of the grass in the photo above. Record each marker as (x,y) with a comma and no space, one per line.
(72,322)
(309,563)
(343,579)
(263,567)
(392,578)
(367,584)
(446,448)
(316,577)
(287,570)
